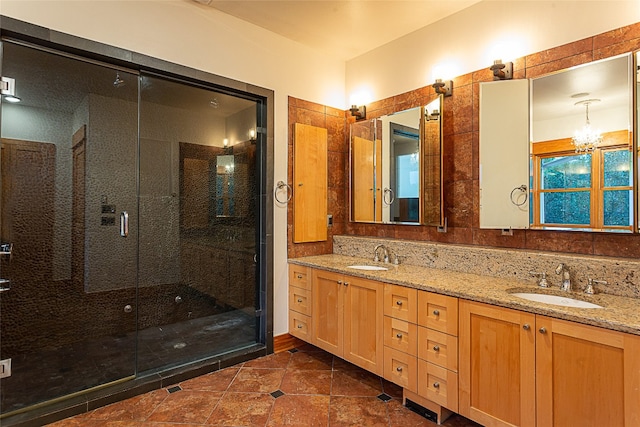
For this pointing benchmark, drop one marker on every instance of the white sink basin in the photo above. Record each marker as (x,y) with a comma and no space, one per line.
(367,267)
(556,300)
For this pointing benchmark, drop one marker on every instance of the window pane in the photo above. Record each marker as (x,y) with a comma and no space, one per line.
(617,168)
(566,172)
(565,208)
(408,171)
(617,207)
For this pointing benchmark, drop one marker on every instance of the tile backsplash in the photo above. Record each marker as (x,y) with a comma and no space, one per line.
(622,275)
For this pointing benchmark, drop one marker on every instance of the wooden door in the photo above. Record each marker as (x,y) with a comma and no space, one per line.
(362,175)
(27,218)
(327,311)
(363,323)
(309,184)
(586,376)
(497,365)
(79,151)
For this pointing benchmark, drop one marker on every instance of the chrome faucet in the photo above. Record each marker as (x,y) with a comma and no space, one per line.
(376,258)
(566,278)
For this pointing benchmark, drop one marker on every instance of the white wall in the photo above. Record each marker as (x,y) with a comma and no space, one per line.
(197,36)
(473,38)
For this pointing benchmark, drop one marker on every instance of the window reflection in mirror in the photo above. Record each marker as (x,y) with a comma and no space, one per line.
(588,188)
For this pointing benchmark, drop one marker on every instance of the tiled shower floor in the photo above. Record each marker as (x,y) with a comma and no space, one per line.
(306,387)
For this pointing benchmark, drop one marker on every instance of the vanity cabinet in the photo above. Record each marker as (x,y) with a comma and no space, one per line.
(300,302)
(521,369)
(346,318)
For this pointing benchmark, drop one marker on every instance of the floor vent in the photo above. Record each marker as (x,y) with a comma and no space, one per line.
(293,350)
(384,397)
(174,389)
(421,410)
(277,394)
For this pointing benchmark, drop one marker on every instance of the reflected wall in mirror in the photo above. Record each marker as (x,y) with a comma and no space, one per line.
(582,150)
(395,167)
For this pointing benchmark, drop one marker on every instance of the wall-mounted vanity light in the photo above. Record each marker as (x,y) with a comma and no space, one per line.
(443,87)
(9,90)
(360,113)
(252,136)
(502,71)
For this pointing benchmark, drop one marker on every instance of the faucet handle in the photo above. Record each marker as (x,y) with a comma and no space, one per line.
(543,278)
(590,282)
(396,259)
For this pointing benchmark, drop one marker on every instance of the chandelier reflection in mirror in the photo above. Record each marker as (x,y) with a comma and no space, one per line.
(587,139)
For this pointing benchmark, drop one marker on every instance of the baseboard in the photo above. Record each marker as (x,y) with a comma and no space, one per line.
(286,342)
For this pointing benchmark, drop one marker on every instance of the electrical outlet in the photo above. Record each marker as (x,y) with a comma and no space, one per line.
(5,368)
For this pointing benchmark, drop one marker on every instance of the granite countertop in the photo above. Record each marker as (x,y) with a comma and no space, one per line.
(618,313)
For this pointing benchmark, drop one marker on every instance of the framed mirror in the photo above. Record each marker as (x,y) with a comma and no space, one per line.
(580,153)
(582,149)
(395,167)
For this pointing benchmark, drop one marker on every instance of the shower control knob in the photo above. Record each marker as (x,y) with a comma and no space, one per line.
(178,299)
(128,308)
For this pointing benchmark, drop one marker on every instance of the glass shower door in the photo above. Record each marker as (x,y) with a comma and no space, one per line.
(68,226)
(198,223)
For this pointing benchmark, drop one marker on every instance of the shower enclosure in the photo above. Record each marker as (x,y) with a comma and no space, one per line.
(130,224)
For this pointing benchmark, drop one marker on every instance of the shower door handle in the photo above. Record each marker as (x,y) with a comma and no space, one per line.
(124,223)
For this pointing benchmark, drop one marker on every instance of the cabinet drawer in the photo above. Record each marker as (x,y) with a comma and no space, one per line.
(300,300)
(438,348)
(300,325)
(400,335)
(401,302)
(401,369)
(438,385)
(299,276)
(439,312)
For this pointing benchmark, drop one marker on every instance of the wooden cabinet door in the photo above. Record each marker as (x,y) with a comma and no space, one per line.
(363,323)
(309,184)
(586,375)
(497,365)
(327,311)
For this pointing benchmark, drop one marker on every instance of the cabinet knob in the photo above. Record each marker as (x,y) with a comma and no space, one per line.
(543,330)
(299,299)
(399,302)
(300,185)
(526,327)
(346,283)
(299,276)
(436,348)
(436,312)
(436,385)
(339,282)
(399,369)
(299,326)
(399,335)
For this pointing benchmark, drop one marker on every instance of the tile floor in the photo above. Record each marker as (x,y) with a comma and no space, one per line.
(303,387)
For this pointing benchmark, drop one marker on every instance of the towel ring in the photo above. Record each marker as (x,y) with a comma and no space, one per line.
(523,189)
(279,186)
(388,200)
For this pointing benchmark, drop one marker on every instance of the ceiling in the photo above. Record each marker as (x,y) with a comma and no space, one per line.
(341,28)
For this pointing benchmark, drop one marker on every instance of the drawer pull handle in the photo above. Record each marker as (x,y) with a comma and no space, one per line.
(526,327)
(399,335)
(299,276)
(543,330)
(399,302)
(436,312)
(436,385)
(299,299)
(399,369)
(299,326)
(436,348)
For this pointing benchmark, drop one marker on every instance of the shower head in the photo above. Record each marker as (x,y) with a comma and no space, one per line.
(118,82)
